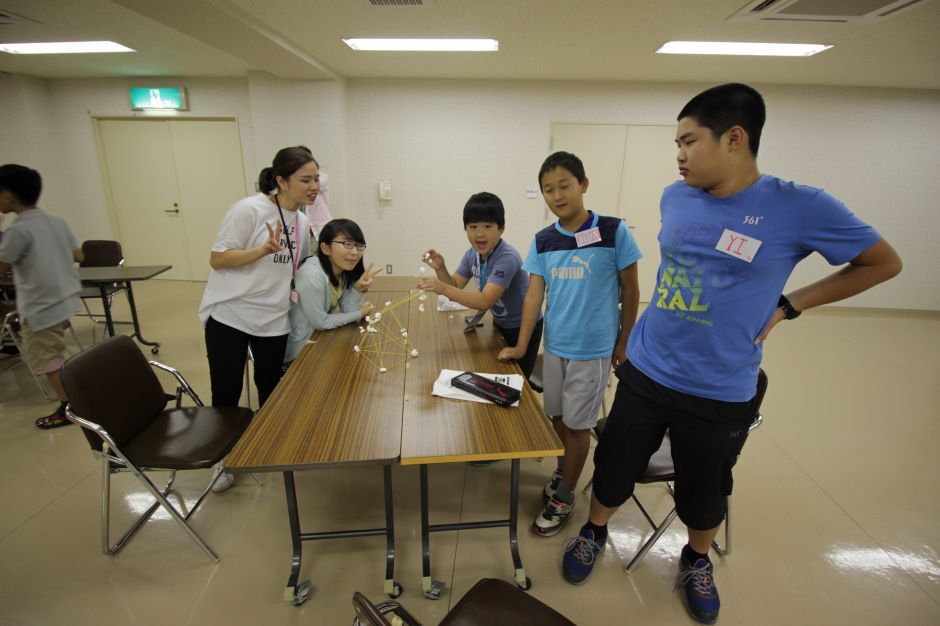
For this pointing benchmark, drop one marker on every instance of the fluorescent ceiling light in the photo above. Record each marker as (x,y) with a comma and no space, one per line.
(425,45)
(64,47)
(742,48)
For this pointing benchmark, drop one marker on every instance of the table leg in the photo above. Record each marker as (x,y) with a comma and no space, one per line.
(521,579)
(294,592)
(427,586)
(130,300)
(392,588)
(109,322)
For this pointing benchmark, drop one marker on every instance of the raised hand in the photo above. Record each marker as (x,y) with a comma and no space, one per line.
(273,244)
(434,259)
(365,281)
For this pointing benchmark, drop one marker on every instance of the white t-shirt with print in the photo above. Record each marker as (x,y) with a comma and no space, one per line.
(255,298)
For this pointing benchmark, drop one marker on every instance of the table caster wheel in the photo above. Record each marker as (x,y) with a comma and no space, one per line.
(302,592)
(155,350)
(396,591)
(525,586)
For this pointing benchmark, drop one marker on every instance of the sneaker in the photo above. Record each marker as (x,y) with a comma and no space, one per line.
(551,487)
(551,520)
(580,554)
(223,482)
(483,463)
(701,595)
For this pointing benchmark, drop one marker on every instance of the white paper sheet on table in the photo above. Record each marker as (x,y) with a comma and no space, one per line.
(443,388)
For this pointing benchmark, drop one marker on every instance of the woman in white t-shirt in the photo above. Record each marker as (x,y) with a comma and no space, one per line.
(254,259)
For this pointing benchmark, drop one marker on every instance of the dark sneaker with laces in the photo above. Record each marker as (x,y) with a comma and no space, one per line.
(580,554)
(551,487)
(552,518)
(701,595)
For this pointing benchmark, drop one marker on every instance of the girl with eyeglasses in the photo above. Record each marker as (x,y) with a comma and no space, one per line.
(330,285)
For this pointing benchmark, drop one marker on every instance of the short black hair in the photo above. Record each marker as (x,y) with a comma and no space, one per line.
(484,207)
(566,160)
(724,106)
(350,230)
(22,182)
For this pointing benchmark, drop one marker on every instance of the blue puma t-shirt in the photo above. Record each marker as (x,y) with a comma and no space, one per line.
(582,286)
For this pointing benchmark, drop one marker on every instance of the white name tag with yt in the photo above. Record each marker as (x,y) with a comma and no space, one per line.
(587,237)
(739,246)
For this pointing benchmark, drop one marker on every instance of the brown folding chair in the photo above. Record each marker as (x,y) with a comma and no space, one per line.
(490,602)
(115,396)
(101,253)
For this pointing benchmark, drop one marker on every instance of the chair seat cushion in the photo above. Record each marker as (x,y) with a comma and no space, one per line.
(189,437)
(493,602)
(660,467)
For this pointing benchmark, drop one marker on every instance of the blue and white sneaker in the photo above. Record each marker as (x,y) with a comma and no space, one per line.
(580,554)
(701,595)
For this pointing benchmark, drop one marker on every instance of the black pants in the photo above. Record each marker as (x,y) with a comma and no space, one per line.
(227,349)
(527,362)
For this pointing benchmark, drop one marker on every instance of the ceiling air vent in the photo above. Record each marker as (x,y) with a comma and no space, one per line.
(839,11)
(7,19)
(399,3)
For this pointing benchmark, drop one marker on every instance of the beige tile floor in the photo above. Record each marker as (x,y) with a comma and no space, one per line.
(837,512)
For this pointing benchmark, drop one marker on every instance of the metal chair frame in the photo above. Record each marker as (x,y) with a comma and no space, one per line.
(113,461)
(7,329)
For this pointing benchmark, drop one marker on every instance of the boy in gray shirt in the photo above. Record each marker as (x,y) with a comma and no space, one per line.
(42,252)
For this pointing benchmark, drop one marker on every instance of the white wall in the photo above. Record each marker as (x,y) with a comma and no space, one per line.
(440,141)
(312,113)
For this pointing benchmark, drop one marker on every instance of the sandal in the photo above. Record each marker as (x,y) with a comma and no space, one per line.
(53,421)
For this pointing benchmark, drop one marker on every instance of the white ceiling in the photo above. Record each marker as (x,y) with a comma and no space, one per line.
(539,39)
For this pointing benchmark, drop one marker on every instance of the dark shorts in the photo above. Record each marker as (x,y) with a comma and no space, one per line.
(706,435)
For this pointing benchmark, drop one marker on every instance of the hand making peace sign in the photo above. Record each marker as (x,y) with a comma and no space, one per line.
(365,281)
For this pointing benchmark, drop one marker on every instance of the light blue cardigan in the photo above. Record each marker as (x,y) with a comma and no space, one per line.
(311,311)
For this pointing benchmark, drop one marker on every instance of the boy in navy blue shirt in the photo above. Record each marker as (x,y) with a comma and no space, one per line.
(496,266)
(584,265)
(730,238)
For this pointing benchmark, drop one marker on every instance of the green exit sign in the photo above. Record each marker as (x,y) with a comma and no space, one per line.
(159,98)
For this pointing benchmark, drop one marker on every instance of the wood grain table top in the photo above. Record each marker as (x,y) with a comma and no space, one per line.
(334,406)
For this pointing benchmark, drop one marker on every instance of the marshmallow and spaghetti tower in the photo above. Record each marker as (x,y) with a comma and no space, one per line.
(384,340)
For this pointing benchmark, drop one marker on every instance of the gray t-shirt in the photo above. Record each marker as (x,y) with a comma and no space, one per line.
(40,247)
(503,267)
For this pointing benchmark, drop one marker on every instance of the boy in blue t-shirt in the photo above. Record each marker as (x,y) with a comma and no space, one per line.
(584,265)
(730,238)
(497,267)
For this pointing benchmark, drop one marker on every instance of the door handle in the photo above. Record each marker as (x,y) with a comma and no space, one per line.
(175,210)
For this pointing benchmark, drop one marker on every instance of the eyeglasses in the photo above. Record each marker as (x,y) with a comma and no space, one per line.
(349,245)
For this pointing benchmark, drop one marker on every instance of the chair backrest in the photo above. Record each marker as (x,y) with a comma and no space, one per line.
(112,384)
(101,253)
(495,602)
